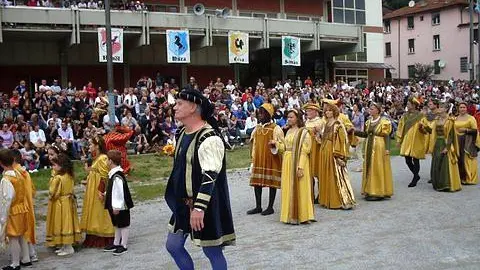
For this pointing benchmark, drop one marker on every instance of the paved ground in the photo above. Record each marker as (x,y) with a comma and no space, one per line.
(418,228)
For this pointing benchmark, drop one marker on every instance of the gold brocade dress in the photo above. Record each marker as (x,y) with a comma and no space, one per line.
(444,169)
(96,222)
(63,227)
(266,170)
(469,142)
(30,234)
(335,188)
(297,203)
(17,222)
(412,134)
(377,171)
(315,152)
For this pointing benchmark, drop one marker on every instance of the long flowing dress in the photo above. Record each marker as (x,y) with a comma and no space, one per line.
(469,142)
(335,188)
(412,132)
(17,222)
(377,171)
(266,170)
(63,227)
(96,222)
(30,234)
(297,203)
(444,169)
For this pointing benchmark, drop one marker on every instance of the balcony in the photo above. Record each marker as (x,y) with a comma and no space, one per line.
(76,23)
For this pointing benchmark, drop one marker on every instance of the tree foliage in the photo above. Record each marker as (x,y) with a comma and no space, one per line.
(423,72)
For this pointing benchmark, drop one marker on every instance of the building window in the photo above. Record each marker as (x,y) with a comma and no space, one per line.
(436,43)
(354,57)
(435,18)
(411,46)
(349,11)
(436,67)
(411,71)
(410,22)
(351,76)
(388,49)
(386,26)
(463,64)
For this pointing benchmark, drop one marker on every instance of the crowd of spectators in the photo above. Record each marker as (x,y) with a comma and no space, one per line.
(67,117)
(81,4)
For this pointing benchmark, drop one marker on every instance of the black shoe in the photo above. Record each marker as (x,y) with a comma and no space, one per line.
(414,181)
(430,181)
(120,250)
(315,201)
(28,264)
(373,199)
(254,211)
(110,248)
(268,211)
(11,267)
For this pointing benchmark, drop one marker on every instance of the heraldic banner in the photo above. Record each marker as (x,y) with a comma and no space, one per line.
(290,51)
(178,46)
(117,45)
(238,47)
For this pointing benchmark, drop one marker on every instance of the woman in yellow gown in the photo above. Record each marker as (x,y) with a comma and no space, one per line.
(469,142)
(63,228)
(96,222)
(377,183)
(335,189)
(297,203)
(444,169)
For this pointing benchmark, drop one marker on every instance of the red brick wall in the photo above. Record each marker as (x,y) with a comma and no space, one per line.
(204,74)
(260,5)
(81,75)
(210,3)
(304,7)
(10,76)
(376,74)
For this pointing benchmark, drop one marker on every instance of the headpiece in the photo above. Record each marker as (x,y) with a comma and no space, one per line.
(311,106)
(269,108)
(199,99)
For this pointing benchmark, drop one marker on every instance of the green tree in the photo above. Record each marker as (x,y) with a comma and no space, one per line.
(423,72)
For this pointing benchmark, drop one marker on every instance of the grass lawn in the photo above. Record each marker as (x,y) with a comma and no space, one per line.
(146,168)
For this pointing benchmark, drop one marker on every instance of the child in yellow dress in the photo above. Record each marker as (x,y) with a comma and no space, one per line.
(63,227)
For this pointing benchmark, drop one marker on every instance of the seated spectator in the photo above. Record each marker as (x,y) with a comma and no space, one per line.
(51,132)
(168,130)
(55,119)
(141,141)
(56,88)
(22,134)
(7,136)
(250,124)
(129,121)
(5,112)
(31,159)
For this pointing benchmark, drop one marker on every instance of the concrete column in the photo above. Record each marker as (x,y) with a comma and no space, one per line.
(181,4)
(184,77)
(283,15)
(126,77)
(234,8)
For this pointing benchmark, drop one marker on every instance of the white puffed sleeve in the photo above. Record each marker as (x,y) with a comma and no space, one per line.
(211,153)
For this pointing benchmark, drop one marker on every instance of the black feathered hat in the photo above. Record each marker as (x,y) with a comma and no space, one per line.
(198,98)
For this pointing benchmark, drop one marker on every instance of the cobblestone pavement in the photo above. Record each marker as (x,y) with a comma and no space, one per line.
(418,228)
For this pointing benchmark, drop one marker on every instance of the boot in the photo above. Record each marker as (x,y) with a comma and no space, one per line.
(414,181)
(258,202)
(271,201)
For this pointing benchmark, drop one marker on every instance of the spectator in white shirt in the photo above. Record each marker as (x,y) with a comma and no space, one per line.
(56,120)
(130,100)
(230,87)
(129,121)
(56,88)
(43,87)
(37,137)
(107,126)
(250,124)
(92,5)
(66,133)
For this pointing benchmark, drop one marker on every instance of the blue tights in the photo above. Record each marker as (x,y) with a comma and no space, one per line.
(176,247)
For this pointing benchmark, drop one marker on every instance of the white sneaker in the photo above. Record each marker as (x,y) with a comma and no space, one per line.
(34,258)
(35,171)
(59,250)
